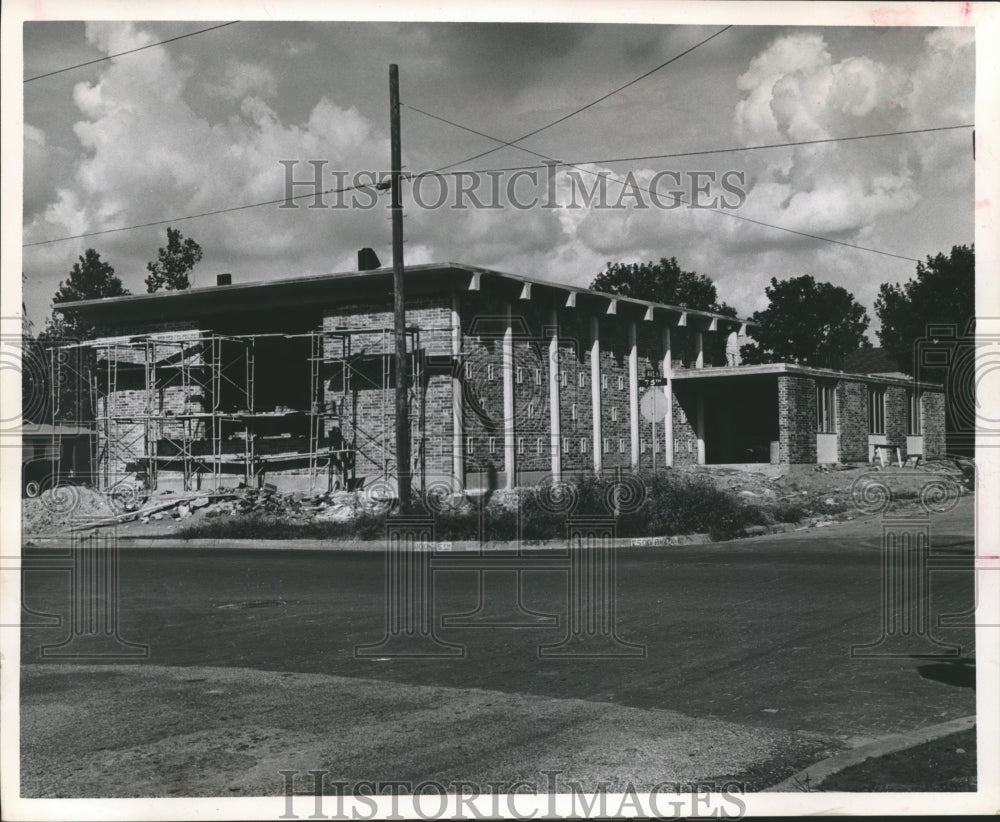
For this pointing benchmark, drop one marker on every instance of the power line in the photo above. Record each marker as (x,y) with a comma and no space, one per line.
(676,197)
(551,164)
(131,51)
(480,134)
(376,187)
(712,150)
(565,117)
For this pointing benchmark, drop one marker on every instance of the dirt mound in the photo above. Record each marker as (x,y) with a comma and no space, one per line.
(58,508)
(844,491)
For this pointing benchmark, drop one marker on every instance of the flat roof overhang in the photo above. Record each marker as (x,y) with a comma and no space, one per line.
(345,288)
(794,369)
(44,429)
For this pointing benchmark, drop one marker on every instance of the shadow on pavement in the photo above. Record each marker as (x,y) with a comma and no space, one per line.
(959,672)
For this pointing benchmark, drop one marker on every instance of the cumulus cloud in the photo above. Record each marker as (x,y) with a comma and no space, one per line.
(45,167)
(243,78)
(295,48)
(146,155)
(158,135)
(796,90)
(784,58)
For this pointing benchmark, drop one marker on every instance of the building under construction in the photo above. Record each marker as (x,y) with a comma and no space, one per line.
(292,382)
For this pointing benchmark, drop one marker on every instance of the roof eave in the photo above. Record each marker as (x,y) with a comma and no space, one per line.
(197,296)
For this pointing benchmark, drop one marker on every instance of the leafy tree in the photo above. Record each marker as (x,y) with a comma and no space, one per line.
(90,279)
(808,323)
(170,270)
(34,405)
(944,292)
(662,282)
(666,282)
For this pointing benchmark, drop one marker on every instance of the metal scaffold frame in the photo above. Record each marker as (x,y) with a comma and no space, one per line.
(353,351)
(194,409)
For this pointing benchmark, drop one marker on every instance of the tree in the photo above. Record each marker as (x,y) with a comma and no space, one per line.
(666,282)
(90,279)
(170,270)
(662,282)
(808,323)
(34,388)
(944,293)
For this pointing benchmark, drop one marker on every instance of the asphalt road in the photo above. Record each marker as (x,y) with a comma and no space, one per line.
(755,634)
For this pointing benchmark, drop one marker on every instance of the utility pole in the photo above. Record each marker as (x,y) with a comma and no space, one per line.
(398,304)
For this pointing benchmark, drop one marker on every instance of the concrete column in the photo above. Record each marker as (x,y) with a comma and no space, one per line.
(700,428)
(555,445)
(595,390)
(699,349)
(667,370)
(508,400)
(633,393)
(457,398)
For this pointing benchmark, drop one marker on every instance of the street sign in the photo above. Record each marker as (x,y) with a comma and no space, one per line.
(649,382)
(654,405)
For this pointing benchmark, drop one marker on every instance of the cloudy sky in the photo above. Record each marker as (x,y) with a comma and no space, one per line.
(203,123)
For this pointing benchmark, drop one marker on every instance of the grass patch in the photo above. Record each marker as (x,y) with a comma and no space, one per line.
(932,766)
(264,526)
(788,512)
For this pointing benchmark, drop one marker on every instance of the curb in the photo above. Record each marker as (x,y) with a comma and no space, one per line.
(456,546)
(370,546)
(808,779)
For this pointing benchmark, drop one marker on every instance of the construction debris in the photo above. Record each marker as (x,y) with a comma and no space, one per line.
(820,497)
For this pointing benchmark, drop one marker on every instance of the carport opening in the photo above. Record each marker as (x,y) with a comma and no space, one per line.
(741,421)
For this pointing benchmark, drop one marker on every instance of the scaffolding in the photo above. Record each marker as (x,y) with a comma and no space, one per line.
(188,406)
(357,364)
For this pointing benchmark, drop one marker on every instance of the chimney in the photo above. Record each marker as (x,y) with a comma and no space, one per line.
(224,279)
(368,260)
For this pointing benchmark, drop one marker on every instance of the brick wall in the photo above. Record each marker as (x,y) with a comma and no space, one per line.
(483,384)
(932,410)
(370,421)
(797,419)
(531,390)
(895,417)
(575,401)
(797,410)
(684,422)
(615,444)
(123,401)
(163,328)
(852,407)
(483,320)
